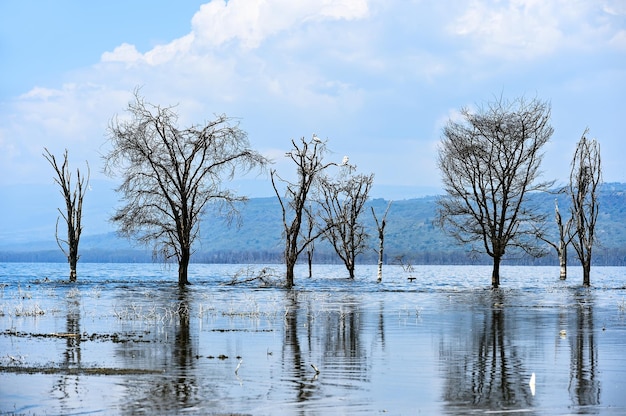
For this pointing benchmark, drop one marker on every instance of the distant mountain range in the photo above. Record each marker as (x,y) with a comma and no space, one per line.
(410,236)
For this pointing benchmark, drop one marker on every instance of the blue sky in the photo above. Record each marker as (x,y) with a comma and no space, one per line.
(377,79)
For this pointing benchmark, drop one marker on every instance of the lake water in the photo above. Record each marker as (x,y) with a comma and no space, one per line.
(126,340)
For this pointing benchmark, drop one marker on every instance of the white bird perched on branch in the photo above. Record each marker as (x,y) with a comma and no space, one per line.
(316,139)
(345,161)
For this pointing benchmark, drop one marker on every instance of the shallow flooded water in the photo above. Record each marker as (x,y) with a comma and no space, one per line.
(126,340)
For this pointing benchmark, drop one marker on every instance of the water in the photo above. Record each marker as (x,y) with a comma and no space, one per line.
(126,340)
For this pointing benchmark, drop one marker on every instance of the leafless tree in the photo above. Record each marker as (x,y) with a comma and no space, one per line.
(585,179)
(489,163)
(170,175)
(73,207)
(342,202)
(564,239)
(308,156)
(380,227)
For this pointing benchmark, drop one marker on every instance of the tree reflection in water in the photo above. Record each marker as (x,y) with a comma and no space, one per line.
(171,350)
(293,363)
(584,386)
(492,375)
(328,340)
(71,353)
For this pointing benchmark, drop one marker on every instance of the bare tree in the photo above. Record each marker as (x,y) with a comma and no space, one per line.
(490,163)
(73,208)
(564,239)
(310,230)
(342,201)
(308,155)
(170,175)
(585,179)
(380,227)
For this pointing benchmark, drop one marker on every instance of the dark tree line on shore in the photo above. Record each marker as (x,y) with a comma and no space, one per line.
(490,163)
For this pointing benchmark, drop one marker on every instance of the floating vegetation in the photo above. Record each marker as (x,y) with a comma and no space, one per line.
(84,371)
(83,337)
(135,312)
(33,310)
(73,293)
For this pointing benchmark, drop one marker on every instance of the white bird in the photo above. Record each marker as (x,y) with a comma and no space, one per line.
(531,383)
(345,160)
(316,139)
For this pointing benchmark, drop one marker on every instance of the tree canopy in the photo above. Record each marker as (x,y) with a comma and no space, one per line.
(489,162)
(170,175)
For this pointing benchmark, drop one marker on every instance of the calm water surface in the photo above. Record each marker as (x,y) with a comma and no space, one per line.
(126,340)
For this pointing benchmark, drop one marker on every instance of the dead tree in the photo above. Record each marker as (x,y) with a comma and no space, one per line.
(585,180)
(342,201)
(73,208)
(310,230)
(170,175)
(308,156)
(490,163)
(380,227)
(564,239)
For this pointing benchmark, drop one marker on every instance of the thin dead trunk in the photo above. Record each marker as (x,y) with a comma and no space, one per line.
(74,208)
(562,260)
(380,226)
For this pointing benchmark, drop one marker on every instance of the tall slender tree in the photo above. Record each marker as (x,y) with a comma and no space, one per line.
(308,156)
(585,180)
(171,174)
(380,227)
(73,213)
(490,162)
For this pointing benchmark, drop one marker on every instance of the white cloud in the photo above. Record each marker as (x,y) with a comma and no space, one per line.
(511,29)
(249,22)
(123,53)
(530,29)
(351,71)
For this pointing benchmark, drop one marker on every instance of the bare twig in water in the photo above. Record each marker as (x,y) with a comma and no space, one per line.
(267,277)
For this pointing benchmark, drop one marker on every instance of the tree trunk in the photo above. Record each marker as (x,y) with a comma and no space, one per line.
(183,266)
(72,259)
(289,275)
(587,273)
(73,262)
(563,263)
(381,248)
(495,274)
